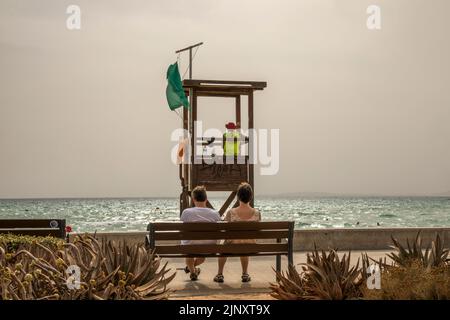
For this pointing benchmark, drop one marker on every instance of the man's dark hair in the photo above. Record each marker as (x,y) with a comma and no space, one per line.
(199,193)
(245,192)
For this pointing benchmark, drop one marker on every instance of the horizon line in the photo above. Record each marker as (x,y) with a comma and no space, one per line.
(279,195)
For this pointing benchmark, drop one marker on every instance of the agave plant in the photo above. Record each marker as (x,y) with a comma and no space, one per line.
(330,277)
(107,271)
(434,256)
(139,267)
(289,286)
(367,262)
(324,276)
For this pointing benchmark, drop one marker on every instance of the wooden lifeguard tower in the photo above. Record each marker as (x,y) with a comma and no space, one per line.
(216,175)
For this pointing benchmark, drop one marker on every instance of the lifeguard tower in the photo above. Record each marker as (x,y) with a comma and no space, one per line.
(216,175)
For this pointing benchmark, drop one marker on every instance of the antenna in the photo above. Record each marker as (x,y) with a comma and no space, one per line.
(190,55)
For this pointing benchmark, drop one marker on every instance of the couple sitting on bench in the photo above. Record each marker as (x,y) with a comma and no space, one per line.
(201,213)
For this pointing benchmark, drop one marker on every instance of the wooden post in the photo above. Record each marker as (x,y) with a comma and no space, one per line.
(227,203)
(291,244)
(190,63)
(152,236)
(186,136)
(193,136)
(250,146)
(278,259)
(238,111)
(184,198)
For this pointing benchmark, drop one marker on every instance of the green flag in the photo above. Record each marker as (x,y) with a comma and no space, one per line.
(174,91)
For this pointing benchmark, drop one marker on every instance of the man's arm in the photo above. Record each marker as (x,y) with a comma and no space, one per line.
(208,141)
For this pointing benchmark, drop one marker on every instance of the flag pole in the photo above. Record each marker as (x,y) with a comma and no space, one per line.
(190,55)
(184,176)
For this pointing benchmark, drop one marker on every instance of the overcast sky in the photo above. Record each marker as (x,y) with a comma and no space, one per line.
(83,113)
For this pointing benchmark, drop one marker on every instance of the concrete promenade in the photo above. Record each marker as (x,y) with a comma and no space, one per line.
(260,269)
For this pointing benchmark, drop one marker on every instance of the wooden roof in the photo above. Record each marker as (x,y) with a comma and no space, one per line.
(222,88)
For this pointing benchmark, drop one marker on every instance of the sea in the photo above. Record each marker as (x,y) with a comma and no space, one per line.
(121,215)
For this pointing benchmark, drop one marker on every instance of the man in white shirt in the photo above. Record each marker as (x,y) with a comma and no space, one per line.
(199,213)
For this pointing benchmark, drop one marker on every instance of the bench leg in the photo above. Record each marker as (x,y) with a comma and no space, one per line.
(291,258)
(291,244)
(278,263)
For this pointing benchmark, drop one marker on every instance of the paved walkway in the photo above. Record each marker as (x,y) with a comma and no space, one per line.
(260,270)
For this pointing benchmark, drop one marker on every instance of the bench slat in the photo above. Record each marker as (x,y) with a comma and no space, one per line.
(216,255)
(34,227)
(26,229)
(218,235)
(29,223)
(278,248)
(217,226)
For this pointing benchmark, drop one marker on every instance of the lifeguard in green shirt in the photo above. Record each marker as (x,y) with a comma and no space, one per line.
(231,140)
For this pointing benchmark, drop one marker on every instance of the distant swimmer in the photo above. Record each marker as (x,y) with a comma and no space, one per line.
(378,224)
(357,223)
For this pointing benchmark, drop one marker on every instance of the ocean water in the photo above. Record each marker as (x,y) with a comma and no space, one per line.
(88,215)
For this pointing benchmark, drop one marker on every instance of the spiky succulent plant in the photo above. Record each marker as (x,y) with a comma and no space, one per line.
(324,276)
(107,271)
(435,255)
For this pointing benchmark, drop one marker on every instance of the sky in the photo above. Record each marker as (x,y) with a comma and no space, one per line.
(83,112)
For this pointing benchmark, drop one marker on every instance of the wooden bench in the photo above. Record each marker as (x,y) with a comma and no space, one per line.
(34,227)
(277,231)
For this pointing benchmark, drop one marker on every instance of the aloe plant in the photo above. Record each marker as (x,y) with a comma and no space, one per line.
(434,256)
(330,277)
(108,271)
(323,276)
(289,286)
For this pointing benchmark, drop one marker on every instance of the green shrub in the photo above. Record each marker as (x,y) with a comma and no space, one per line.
(13,243)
